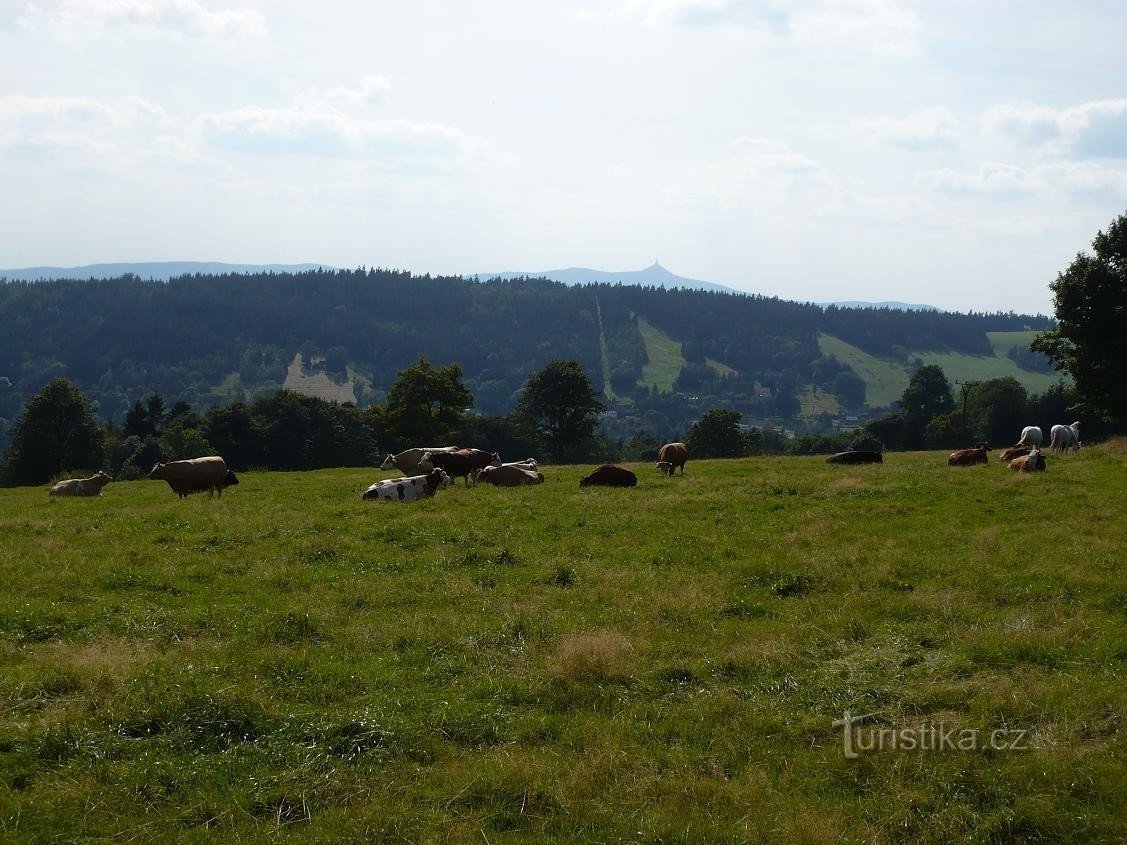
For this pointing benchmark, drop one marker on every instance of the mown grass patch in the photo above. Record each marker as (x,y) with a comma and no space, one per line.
(661,663)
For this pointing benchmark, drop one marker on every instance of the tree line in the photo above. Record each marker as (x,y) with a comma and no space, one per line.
(207,340)
(58,432)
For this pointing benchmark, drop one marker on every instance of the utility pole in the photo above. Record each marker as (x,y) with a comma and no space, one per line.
(967,387)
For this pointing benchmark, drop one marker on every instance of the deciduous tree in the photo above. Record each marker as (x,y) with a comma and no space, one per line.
(57,430)
(559,405)
(1089,342)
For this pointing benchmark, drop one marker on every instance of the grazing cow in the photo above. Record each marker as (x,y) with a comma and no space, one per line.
(462,463)
(193,476)
(510,475)
(968,457)
(91,486)
(856,456)
(671,456)
(410,461)
(610,475)
(407,489)
(1031,437)
(1015,452)
(1033,462)
(1064,437)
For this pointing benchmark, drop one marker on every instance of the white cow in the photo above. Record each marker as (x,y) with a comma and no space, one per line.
(1065,437)
(411,462)
(1031,436)
(408,489)
(91,486)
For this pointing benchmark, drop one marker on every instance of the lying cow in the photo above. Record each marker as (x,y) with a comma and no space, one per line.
(671,456)
(856,456)
(1033,462)
(193,476)
(609,475)
(462,463)
(528,464)
(510,475)
(968,457)
(411,461)
(1015,452)
(91,486)
(407,489)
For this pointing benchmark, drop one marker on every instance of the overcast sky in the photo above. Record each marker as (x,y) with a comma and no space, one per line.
(958,152)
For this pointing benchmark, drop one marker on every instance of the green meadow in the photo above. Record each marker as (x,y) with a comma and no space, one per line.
(658,664)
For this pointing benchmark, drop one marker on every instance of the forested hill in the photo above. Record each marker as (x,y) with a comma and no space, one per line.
(209,338)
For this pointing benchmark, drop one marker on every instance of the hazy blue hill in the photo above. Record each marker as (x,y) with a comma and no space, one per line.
(654,275)
(894,304)
(158,270)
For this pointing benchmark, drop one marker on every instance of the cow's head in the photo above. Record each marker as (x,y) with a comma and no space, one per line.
(231,479)
(388,462)
(666,467)
(437,478)
(103,477)
(157,472)
(496,461)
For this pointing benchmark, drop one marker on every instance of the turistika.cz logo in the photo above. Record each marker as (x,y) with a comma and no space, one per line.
(860,738)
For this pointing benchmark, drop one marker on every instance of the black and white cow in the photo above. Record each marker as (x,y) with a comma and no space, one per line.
(408,489)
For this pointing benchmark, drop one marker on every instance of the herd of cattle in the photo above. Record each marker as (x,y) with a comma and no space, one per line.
(427,469)
(1026,454)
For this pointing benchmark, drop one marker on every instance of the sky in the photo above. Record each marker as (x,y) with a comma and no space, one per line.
(956,153)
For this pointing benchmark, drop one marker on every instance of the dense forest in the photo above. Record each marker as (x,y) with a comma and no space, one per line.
(205,340)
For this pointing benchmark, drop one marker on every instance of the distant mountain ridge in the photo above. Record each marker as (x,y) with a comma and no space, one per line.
(157,270)
(894,304)
(654,275)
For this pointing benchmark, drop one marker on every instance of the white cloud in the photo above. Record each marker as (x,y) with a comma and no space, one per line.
(927,129)
(884,27)
(1073,178)
(992,178)
(75,122)
(373,92)
(1096,128)
(82,19)
(849,206)
(325,132)
(756,172)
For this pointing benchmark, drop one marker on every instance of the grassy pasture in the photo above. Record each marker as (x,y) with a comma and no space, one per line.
(656,664)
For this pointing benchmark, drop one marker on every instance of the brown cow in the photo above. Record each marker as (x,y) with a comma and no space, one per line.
(671,456)
(193,476)
(610,475)
(510,475)
(1033,462)
(91,486)
(1015,452)
(462,463)
(968,457)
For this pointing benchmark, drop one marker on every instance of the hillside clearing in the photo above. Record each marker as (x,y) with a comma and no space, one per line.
(502,664)
(885,379)
(664,354)
(316,384)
